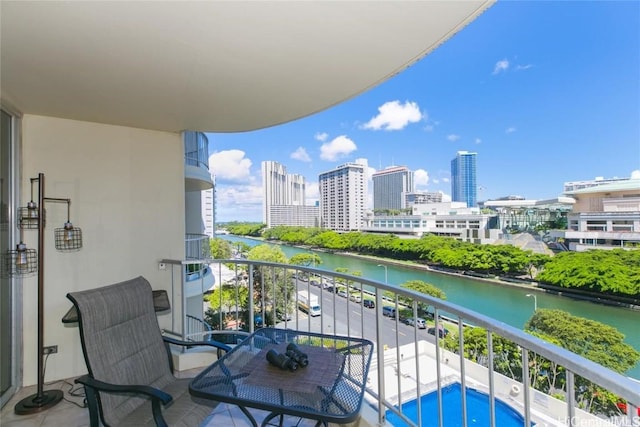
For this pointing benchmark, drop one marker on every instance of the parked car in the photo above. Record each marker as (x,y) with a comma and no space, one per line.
(389,311)
(442,332)
(355,297)
(342,293)
(418,321)
(284,316)
(369,303)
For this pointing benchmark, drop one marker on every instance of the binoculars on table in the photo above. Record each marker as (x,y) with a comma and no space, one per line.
(290,360)
(296,354)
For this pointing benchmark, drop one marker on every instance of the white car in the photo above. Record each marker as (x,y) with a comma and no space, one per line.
(342,293)
(419,322)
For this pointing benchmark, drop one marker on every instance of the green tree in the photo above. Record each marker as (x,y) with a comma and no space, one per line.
(507,356)
(616,271)
(423,288)
(272,285)
(349,283)
(224,302)
(220,248)
(593,340)
(305,259)
(227,297)
(245,228)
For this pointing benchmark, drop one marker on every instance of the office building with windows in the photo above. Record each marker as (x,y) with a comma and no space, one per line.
(343,196)
(463,178)
(422,197)
(280,189)
(390,186)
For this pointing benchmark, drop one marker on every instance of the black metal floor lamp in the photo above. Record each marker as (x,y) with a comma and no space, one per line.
(26,262)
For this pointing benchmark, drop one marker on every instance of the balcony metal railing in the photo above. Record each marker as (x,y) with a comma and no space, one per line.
(410,362)
(197,246)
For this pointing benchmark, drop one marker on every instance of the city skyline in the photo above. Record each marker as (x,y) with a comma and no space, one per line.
(543,92)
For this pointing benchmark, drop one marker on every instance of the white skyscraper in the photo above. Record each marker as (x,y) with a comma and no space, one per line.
(208,212)
(280,189)
(343,196)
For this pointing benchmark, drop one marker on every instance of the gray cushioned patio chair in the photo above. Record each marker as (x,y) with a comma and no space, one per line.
(130,380)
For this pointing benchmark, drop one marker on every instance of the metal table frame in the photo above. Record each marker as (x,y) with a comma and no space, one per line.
(336,398)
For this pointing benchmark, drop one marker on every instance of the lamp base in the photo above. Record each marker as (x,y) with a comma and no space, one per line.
(37,403)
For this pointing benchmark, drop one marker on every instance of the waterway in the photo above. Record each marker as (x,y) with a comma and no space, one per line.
(508,304)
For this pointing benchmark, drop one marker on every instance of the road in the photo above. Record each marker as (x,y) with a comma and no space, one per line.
(354,317)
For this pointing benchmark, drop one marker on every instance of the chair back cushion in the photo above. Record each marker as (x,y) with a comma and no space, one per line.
(122,342)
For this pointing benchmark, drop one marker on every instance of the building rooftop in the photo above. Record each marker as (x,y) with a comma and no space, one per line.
(630,184)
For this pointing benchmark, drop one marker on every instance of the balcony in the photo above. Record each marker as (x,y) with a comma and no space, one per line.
(410,366)
(196,162)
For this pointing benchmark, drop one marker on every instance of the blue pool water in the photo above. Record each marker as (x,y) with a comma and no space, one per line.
(477,410)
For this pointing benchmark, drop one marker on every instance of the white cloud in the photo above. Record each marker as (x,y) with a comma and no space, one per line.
(453,137)
(635,174)
(321,136)
(244,198)
(478,141)
(337,148)
(523,67)
(421,178)
(436,181)
(230,165)
(301,154)
(445,179)
(510,130)
(311,193)
(445,197)
(501,66)
(370,171)
(393,115)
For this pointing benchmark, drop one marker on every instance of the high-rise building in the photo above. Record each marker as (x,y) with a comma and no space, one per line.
(463,178)
(208,211)
(280,188)
(390,186)
(343,196)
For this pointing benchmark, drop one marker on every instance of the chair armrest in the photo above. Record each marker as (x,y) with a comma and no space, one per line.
(149,391)
(215,344)
(92,385)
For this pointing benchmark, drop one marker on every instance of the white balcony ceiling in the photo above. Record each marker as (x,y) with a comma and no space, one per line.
(220,66)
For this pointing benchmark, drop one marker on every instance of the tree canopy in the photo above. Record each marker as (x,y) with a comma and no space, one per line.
(615,271)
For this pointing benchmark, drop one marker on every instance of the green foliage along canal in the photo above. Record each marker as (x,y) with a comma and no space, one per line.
(508,304)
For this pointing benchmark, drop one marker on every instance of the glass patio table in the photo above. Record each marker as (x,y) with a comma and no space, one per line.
(330,389)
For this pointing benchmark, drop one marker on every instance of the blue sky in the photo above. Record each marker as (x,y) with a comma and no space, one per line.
(544,92)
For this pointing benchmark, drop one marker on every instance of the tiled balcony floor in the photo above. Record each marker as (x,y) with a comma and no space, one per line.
(69,413)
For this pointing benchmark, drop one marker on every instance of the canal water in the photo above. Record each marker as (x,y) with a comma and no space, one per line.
(508,304)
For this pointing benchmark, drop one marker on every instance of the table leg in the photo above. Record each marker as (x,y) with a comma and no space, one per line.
(272,415)
(245,411)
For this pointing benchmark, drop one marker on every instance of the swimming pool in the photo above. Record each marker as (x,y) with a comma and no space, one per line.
(477,409)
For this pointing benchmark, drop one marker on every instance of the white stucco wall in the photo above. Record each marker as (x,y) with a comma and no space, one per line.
(126,188)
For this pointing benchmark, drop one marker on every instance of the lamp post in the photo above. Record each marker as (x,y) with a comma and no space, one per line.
(385,272)
(535,301)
